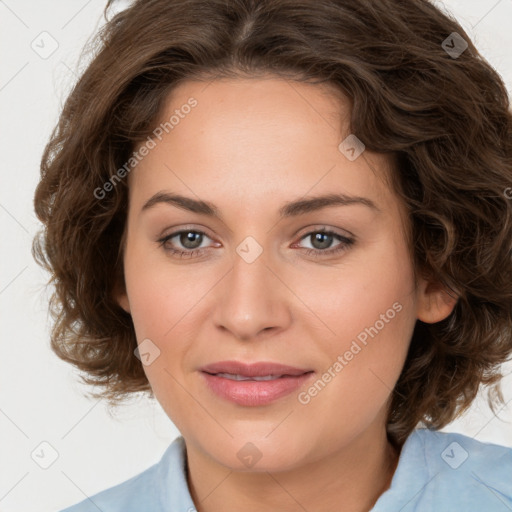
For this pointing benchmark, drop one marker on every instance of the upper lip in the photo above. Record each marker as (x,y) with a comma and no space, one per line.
(259,369)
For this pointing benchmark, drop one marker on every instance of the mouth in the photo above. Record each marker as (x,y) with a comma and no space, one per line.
(263,370)
(233,376)
(253,384)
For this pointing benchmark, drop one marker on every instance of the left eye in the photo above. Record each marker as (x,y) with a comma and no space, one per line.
(191,241)
(324,239)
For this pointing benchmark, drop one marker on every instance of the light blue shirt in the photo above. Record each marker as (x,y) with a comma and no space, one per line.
(436,472)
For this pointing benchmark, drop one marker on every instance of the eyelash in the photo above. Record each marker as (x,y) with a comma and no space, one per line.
(316,253)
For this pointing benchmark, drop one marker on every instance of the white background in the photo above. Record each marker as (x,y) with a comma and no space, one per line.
(40,394)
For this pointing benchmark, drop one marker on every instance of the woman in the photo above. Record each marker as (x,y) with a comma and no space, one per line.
(204,145)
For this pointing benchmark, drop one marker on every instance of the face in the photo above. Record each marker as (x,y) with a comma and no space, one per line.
(327,289)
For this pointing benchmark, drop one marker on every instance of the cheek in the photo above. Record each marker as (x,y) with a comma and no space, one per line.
(353,295)
(149,300)
(159,294)
(158,308)
(164,303)
(368,313)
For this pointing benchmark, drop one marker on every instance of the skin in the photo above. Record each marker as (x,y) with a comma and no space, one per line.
(249,146)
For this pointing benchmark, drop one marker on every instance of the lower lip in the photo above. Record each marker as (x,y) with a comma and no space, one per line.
(252,392)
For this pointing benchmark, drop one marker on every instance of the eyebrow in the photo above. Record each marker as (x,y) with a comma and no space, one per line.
(289,209)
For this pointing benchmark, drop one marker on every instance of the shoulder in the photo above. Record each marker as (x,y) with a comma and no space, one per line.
(446,450)
(148,490)
(448,471)
(479,473)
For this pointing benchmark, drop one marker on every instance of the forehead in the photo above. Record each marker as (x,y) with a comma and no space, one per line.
(248,138)
(262,108)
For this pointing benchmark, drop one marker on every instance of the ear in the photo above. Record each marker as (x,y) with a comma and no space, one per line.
(122,300)
(435,301)
(120,296)
(119,292)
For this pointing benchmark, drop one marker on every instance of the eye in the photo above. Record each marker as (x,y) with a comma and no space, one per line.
(190,239)
(322,239)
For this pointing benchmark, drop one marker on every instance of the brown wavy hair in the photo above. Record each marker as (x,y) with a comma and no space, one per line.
(445,119)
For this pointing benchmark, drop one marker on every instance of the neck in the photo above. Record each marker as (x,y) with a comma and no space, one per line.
(355,475)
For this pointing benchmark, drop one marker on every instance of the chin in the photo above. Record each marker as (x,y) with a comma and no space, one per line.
(258,453)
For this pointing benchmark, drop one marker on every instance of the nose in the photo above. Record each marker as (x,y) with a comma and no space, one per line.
(252,299)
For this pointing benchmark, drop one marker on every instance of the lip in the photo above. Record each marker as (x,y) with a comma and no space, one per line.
(258,369)
(251,392)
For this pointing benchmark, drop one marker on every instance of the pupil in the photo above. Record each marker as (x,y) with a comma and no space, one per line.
(187,239)
(326,240)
